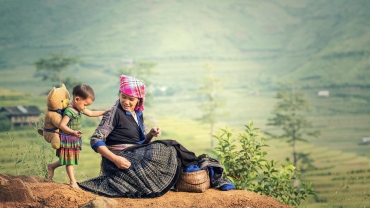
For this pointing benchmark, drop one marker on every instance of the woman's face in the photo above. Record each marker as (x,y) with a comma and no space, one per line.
(128,103)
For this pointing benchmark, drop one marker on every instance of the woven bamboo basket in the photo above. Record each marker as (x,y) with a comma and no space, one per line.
(197,181)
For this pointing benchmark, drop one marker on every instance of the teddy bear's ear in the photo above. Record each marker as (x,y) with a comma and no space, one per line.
(51,93)
(63,86)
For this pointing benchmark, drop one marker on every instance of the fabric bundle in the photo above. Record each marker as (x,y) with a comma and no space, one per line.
(216,173)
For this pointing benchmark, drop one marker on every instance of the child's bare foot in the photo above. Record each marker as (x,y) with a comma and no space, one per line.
(74,185)
(50,171)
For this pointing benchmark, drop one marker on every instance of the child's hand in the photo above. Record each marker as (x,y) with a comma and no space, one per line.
(78,133)
(107,110)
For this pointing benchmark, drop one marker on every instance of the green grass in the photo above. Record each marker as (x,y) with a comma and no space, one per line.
(335,169)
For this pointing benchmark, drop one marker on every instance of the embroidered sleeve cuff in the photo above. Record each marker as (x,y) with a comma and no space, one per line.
(98,144)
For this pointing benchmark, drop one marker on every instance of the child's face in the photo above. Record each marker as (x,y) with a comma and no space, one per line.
(128,102)
(81,104)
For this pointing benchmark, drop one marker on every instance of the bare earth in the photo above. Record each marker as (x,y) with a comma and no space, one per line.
(30,191)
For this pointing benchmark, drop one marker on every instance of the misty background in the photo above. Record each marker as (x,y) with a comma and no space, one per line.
(253,47)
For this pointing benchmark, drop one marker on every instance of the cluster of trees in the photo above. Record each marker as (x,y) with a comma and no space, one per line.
(52,69)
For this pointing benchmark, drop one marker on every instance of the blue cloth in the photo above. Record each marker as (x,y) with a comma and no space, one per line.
(211,172)
(60,111)
(216,177)
(192,168)
(142,134)
(227,187)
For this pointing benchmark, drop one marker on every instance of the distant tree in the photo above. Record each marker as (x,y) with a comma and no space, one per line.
(144,71)
(70,82)
(5,123)
(211,105)
(289,115)
(305,161)
(51,68)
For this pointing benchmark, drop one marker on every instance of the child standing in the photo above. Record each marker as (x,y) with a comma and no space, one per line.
(70,126)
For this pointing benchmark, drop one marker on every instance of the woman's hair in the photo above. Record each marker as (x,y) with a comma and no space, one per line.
(83,91)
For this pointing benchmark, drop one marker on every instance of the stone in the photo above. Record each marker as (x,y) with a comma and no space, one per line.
(100,202)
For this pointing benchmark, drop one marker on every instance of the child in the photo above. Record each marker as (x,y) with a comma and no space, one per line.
(70,126)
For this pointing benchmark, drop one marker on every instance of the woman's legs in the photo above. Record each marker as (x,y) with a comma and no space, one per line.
(51,168)
(71,175)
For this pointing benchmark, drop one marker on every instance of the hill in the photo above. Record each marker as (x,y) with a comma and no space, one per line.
(30,191)
(314,43)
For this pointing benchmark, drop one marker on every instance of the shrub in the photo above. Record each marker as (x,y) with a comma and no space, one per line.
(248,169)
(5,123)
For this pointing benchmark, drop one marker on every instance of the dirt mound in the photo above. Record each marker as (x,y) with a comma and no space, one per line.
(29,191)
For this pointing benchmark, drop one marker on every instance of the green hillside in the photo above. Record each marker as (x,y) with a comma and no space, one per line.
(315,43)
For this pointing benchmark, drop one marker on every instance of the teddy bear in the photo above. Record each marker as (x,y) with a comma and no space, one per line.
(57,100)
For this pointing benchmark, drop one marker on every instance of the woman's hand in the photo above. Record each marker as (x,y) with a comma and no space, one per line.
(155,132)
(121,162)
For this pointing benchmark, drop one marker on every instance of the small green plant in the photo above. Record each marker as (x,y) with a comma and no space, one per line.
(39,124)
(245,165)
(32,158)
(41,157)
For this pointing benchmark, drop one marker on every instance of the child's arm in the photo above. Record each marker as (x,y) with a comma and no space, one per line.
(63,126)
(95,113)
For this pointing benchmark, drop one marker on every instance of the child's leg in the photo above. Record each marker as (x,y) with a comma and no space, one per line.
(71,175)
(51,168)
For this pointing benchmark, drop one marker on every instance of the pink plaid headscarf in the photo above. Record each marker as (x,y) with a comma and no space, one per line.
(133,87)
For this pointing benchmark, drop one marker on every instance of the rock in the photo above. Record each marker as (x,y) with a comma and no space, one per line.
(3,181)
(100,202)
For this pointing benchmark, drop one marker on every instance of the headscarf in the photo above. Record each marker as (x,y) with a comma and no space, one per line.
(133,87)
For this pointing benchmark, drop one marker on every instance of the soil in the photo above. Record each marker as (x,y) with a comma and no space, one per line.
(31,191)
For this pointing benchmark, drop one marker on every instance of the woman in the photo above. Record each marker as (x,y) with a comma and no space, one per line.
(132,165)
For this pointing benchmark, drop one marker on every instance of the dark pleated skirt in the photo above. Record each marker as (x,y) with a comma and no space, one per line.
(154,170)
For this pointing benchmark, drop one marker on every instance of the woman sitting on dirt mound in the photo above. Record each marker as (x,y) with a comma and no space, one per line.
(132,165)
